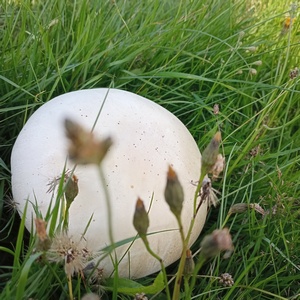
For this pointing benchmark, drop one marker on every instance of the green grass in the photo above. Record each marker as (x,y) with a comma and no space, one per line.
(186,56)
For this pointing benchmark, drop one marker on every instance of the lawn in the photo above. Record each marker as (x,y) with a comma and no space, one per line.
(192,58)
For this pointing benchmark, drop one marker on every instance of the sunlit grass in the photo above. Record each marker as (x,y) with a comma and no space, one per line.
(186,56)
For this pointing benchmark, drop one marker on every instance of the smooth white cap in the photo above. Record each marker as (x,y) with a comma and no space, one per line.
(146,140)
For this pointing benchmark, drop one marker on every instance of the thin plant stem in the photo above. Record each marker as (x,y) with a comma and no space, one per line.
(226,220)
(66,219)
(70,287)
(194,276)
(186,284)
(110,226)
(180,228)
(148,248)
(108,206)
(185,241)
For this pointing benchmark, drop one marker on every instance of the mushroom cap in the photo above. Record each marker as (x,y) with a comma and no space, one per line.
(146,140)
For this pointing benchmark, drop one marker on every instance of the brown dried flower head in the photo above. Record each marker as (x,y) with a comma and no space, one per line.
(257,208)
(216,109)
(84,148)
(218,167)
(226,280)
(294,73)
(238,208)
(242,207)
(141,296)
(40,226)
(213,244)
(94,273)
(43,242)
(208,193)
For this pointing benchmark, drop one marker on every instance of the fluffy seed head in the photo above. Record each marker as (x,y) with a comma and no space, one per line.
(213,244)
(73,254)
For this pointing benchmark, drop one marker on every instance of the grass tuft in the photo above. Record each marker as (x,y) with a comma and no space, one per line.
(187,56)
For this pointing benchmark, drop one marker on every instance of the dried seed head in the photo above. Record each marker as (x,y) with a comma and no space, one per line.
(210,153)
(41,229)
(189,265)
(242,207)
(54,182)
(216,109)
(84,148)
(140,219)
(208,193)
(94,273)
(218,167)
(43,242)
(257,63)
(238,208)
(90,296)
(251,49)
(257,208)
(252,71)
(174,193)
(255,151)
(73,254)
(213,244)
(273,210)
(141,296)
(294,73)
(10,204)
(241,34)
(226,280)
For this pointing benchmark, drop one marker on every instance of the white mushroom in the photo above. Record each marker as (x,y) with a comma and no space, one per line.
(147,139)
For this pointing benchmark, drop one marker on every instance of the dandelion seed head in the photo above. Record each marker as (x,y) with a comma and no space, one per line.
(54,182)
(73,254)
(10,204)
